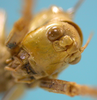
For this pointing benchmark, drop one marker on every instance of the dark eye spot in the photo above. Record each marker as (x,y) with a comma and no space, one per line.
(54,33)
(11,45)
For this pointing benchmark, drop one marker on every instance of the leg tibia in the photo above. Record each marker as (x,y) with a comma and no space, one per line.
(68,88)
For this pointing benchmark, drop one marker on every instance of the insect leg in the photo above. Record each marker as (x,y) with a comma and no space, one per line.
(11,69)
(14,65)
(2,26)
(68,88)
(25,79)
(21,27)
(14,92)
(3,48)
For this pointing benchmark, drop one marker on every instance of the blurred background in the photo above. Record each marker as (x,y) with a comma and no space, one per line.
(85,72)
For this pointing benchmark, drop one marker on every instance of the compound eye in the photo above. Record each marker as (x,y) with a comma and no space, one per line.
(54,33)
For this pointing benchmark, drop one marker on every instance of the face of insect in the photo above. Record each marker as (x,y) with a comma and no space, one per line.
(54,45)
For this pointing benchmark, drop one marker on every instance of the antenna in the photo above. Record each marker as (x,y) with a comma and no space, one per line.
(73,10)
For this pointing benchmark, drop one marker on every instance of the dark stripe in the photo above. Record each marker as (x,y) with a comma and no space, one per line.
(28,68)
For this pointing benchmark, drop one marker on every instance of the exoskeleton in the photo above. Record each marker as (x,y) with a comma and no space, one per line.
(42,46)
